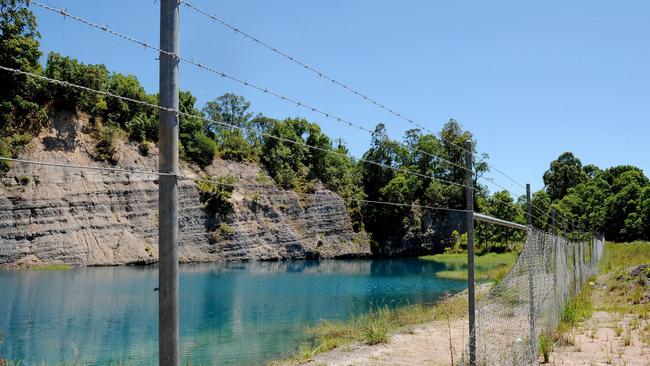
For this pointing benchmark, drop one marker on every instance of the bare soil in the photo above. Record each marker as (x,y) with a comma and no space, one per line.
(595,342)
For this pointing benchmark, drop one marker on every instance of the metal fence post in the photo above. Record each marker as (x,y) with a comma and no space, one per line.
(531,284)
(471,297)
(168,328)
(555,269)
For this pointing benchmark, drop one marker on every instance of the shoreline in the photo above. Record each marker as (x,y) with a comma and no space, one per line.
(441,324)
(30,264)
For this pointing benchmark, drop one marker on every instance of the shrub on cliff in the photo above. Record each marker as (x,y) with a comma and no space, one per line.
(105,150)
(143,127)
(215,194)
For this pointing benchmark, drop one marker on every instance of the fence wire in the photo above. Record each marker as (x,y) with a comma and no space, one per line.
(529,300)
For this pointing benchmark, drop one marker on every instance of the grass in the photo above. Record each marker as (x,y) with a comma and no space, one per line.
(545,346)
(488,267)
(624,294)
(621,294)
(621,256)
(51,267)
(577,309)
(374,327)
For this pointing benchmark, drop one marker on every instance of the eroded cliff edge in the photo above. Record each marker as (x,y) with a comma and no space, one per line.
(93,217)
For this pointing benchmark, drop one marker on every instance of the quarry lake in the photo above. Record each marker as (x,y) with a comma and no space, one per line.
(231,313)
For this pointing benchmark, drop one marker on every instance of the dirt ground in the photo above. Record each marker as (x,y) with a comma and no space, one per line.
(608,337)
(595,342)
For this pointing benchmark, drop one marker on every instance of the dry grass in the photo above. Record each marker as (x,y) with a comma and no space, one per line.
(375,327)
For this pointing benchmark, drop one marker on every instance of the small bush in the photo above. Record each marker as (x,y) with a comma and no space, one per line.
(105,149)
(226,230)
(458,243)
(376,331)
(142,127)
(215,194)
(144,148)
(200,149)
(545,346)
(233,146)
(10,147)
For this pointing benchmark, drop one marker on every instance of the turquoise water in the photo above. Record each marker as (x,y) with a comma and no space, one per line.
(231,313)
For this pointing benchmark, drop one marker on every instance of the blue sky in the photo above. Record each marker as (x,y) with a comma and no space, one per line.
(530,79)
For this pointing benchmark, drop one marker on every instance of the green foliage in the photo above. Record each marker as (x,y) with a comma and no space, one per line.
(565,172)
(233,146)
(215,194)
(71,99)
(226,230)
(229,123)
(614,201)
(392,179)
(144,147)
(578,309)
(545,345)
(621,256)
(20,111)
(105,150)
(458,243)
(51,267)
(120,112)
(201,149)
(10,146)
(488,267)
(229,109)
(197,147)
(143,127)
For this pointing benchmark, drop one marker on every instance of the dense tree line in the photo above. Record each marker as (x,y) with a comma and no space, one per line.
(615,201)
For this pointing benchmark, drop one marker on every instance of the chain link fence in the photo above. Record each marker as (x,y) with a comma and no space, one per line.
(529,300)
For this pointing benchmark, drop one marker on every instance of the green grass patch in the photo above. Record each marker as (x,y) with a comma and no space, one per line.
(623,293)
(621,256)
(578,309)
(487,267)
(51,267)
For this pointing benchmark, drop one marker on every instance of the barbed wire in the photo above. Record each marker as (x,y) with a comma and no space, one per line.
(542,212)
(263,187)
(108,30)
(213,180)
(222,74)
(189,115)
(334,81)
(85,167)
(112,95)
(277,95)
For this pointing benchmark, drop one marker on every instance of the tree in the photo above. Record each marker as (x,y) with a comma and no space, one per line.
(19,49)
(564,173)
(120,112)
(614,201)
(196,146)
(230,109)
(71,99)
(229,123)
(285,161)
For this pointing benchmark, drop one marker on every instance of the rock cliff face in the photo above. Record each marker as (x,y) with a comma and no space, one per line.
(92,217)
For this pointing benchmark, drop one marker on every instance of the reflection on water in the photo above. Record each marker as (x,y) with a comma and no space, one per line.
(231,313)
